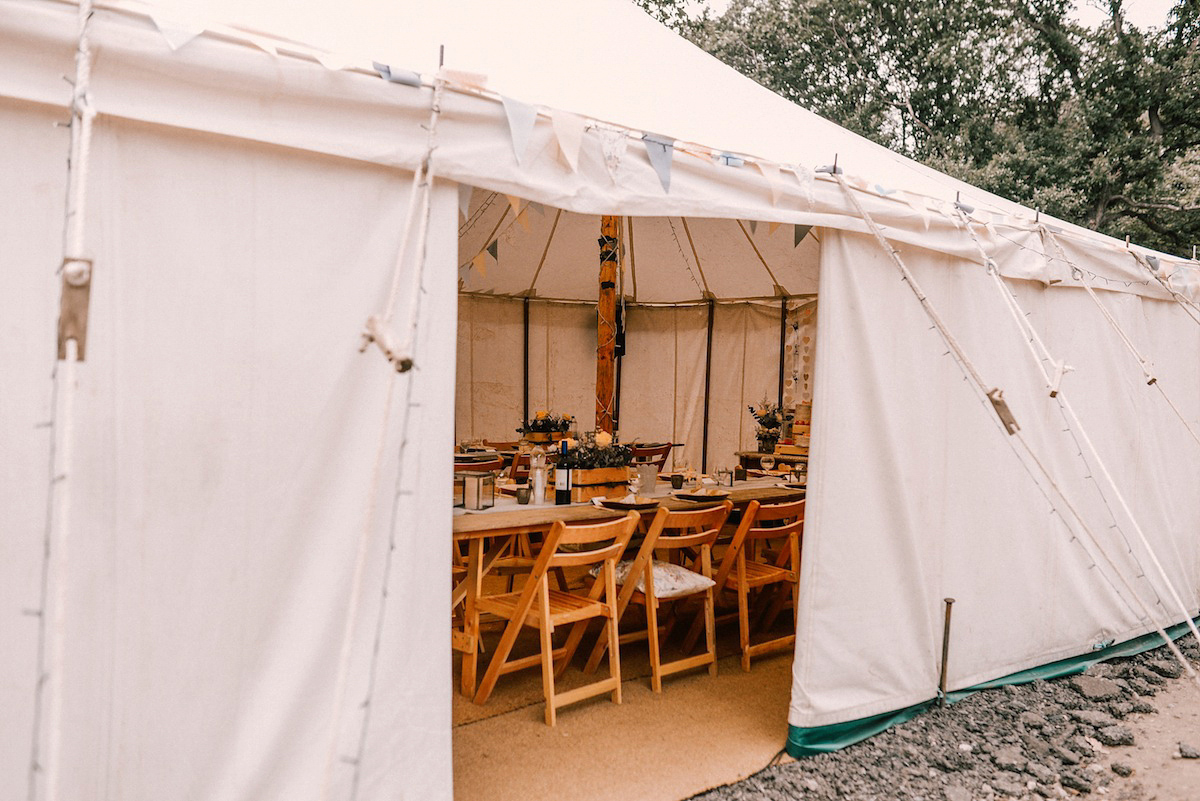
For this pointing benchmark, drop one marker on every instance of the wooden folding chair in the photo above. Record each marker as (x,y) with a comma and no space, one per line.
(479,465)
(748,567)
(674,533)
(538,606)
(652,454)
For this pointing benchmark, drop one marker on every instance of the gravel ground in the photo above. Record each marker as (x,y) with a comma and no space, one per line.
(1046,739)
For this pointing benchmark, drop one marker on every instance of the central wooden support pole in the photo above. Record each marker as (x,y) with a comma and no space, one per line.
(606,325)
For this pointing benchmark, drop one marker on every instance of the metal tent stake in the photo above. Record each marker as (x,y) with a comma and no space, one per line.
(945,653)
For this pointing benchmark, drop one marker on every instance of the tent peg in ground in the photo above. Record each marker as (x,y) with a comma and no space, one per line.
(949,602)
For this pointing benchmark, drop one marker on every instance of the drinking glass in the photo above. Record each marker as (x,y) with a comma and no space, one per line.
(767,462)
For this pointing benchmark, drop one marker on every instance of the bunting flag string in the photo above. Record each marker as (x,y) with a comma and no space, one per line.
(521,119)
(659,149)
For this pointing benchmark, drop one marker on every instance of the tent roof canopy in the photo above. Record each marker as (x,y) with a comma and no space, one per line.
(562,56)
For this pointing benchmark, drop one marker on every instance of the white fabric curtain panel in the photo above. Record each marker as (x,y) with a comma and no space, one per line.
(916,495)
(225,436)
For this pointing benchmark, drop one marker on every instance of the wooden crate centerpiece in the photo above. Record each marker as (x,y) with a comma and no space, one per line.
(599,482)
(599,467)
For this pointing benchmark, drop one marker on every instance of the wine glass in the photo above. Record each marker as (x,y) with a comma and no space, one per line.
(767,461)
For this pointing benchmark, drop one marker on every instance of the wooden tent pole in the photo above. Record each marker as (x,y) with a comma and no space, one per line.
(606,328)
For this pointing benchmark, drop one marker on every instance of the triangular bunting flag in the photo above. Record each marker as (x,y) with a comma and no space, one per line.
(885,192)
(728,160)
(523,219)
(659,150)
(494,249)
(464,200)
(754,226)
(800,231)
(333,61)
(772,227)
(406,77)
(770,171)
(538,207)
(568,130)
(521,119)
(612,144)
(177,32)
(264,44)
(805,177)
(514,203)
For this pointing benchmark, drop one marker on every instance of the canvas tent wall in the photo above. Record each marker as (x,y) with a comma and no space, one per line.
(207,633)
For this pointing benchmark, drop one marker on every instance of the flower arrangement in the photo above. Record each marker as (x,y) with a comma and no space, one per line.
(770,424)
(545,422)
(596,449)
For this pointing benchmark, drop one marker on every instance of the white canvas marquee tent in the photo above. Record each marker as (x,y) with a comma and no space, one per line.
(224,529)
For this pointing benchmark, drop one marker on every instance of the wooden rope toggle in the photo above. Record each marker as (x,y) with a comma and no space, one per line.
(377,332)
(73,304)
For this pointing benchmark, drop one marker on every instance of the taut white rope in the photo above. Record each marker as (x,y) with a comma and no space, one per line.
(1035,344)
(1151,379)
(77,270)
(1005,421)
(1188,305)
(419,202)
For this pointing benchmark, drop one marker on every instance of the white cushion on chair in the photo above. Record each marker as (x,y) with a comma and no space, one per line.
(670,580)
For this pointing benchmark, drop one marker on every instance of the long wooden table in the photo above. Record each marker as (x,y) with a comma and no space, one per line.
(502,526)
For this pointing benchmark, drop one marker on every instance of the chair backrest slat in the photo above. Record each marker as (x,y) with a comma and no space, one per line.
(616,532)
(479,466)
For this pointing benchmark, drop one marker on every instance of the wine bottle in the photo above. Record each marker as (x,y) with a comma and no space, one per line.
(562,479)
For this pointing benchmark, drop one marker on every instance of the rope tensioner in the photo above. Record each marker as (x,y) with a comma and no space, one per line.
(377,332)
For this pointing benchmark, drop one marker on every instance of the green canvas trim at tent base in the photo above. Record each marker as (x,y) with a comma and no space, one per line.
(836,736)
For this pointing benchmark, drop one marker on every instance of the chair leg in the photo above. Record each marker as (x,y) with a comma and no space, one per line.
(652,639)
(614,637)
(710,629)
(744,625)
(548,672)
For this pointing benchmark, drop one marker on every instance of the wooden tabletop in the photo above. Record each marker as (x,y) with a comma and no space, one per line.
(527,519)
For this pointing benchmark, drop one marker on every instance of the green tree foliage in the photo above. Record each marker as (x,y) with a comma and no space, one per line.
(1097,126)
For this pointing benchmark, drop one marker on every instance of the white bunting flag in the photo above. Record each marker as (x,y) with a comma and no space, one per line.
(521,119)
(613,144)
(464,200)
(770,171)
(514,203)
(659,150)
(807,184)
(177,32)
(568,130)
(334,62)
